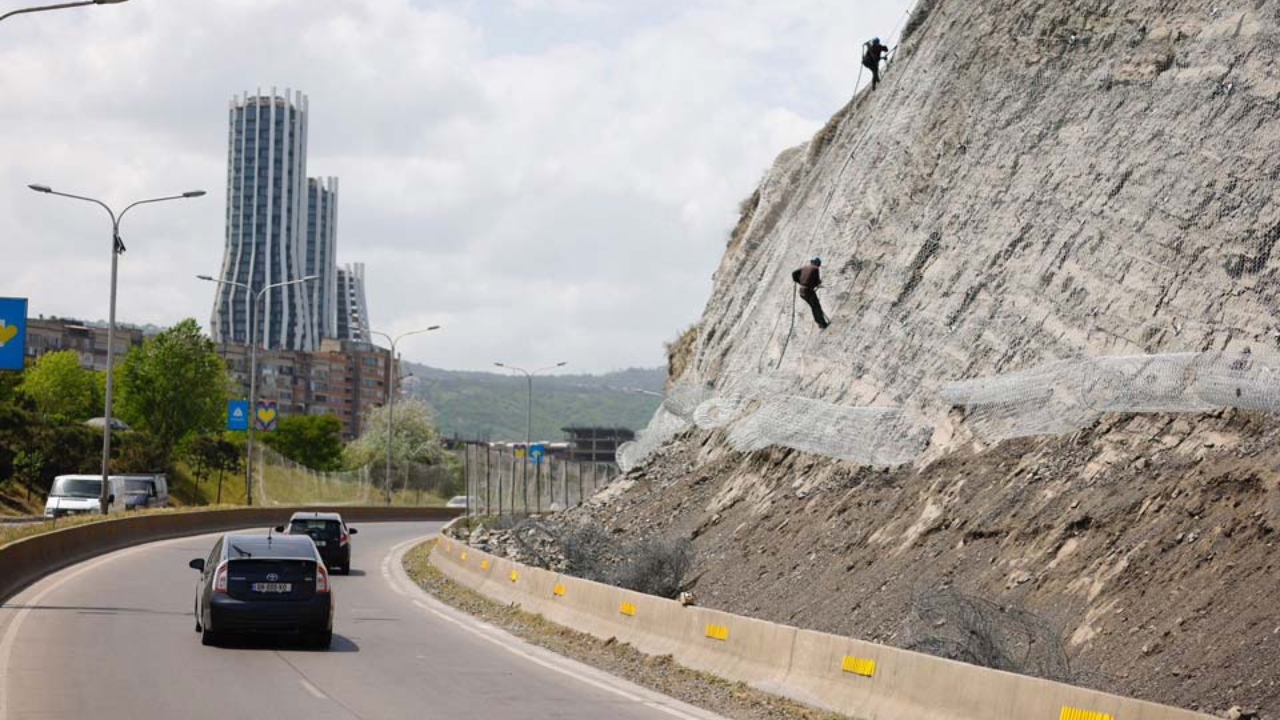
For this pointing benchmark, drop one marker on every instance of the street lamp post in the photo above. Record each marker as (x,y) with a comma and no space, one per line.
(391,396)
(253,364)
(117,247)
(60,6)
(528,428)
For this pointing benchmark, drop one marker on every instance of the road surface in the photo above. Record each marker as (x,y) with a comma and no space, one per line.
(113,638)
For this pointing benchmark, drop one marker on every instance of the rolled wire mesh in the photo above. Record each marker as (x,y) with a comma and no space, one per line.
(1055,398)
(873,436)
(1068,395)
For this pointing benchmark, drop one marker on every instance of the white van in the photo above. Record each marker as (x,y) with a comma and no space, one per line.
(74,495)
(79,494)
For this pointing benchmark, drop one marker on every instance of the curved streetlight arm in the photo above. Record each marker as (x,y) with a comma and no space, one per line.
(209,278)
(183,196)
(115,219)
(60,6)
(115,222)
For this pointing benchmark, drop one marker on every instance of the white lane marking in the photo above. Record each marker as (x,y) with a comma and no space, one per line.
(512,644)
(11,633)
(312,689)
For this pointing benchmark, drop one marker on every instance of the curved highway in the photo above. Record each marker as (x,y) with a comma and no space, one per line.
(113,638)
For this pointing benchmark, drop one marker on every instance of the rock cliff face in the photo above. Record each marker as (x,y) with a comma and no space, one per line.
(1033,181)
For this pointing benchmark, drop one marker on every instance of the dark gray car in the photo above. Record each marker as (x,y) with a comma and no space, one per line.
(271,584)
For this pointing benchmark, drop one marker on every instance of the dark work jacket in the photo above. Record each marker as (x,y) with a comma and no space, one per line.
(809,277)
(871,54)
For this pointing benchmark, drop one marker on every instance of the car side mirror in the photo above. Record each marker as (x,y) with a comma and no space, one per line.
(352,531)
(197,564)
(279,528)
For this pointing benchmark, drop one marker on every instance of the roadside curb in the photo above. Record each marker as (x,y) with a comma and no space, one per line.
(858,678)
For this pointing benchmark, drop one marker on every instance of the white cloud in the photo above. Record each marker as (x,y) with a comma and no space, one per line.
(550,179)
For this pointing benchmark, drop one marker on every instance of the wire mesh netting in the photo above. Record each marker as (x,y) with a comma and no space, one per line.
(1054,398)
(1065,396)
(498,482)
(280,481)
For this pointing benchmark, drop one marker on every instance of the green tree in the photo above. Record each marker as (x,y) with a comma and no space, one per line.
(173,385)
(416,438)
(63,389)
(210,453)
(311,440)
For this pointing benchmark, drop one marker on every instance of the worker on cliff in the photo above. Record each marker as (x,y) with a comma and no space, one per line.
(872,54)
(809,278)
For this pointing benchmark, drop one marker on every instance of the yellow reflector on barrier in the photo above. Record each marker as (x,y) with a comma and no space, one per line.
(859,666)
(448,548)
(463,556)
(1070,713)
(718,632)
(484,564)
(514,576)
(559,591)
(627,609)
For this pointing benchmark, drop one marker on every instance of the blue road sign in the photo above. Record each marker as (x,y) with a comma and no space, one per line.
(237,414)
(13,333)
(536,453)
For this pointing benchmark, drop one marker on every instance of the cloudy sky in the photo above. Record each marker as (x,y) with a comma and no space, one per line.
(547,179)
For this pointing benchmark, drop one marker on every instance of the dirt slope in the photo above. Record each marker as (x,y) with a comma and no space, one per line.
(1138,557)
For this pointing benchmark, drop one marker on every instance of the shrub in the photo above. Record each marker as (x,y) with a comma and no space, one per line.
(656,567)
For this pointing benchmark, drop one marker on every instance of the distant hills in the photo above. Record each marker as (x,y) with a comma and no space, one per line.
(492,406)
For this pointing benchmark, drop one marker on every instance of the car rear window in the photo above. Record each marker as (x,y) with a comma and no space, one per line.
(321,529)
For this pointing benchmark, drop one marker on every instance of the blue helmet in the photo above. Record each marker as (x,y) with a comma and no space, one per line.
(816,261)
(875,41)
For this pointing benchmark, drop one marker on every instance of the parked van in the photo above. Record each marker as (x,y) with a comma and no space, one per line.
(74,495)
(133,492)
(79,494)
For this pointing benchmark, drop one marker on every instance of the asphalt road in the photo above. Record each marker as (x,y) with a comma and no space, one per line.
(114,638)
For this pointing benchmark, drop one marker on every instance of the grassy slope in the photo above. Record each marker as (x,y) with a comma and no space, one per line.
(493,406)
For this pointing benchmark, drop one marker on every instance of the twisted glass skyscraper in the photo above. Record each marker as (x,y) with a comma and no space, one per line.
(268,235)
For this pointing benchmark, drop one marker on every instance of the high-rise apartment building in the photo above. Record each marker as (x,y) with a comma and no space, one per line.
(320,251)
(353,310)
(266,223)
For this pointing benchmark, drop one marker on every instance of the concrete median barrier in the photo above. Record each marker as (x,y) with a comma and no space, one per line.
(856,678)
(27,560)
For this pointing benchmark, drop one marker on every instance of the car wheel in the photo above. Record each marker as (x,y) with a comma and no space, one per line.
(208,638)
(346,570)
(322,640)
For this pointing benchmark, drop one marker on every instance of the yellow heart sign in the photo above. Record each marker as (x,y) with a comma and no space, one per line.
(266,415)
(7,333)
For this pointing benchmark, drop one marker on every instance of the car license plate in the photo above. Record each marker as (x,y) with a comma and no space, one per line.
(276,587)
(319,543)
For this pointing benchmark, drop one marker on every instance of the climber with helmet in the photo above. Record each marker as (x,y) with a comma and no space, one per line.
(809,278)
(872,53)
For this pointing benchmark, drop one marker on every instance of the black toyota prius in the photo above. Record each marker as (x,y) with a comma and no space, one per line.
(275,584)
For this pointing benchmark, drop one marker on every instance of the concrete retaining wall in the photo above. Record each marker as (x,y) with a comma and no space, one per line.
(27,560)
(860,679)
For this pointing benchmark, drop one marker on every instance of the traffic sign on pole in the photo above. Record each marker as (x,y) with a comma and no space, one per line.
(237,414)
(536,453)
(13,333)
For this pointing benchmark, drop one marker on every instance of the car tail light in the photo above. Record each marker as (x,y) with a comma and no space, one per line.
(322,579)
(342,539)
(220,579)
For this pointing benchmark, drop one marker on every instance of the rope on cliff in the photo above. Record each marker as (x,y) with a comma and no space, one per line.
(774,330)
